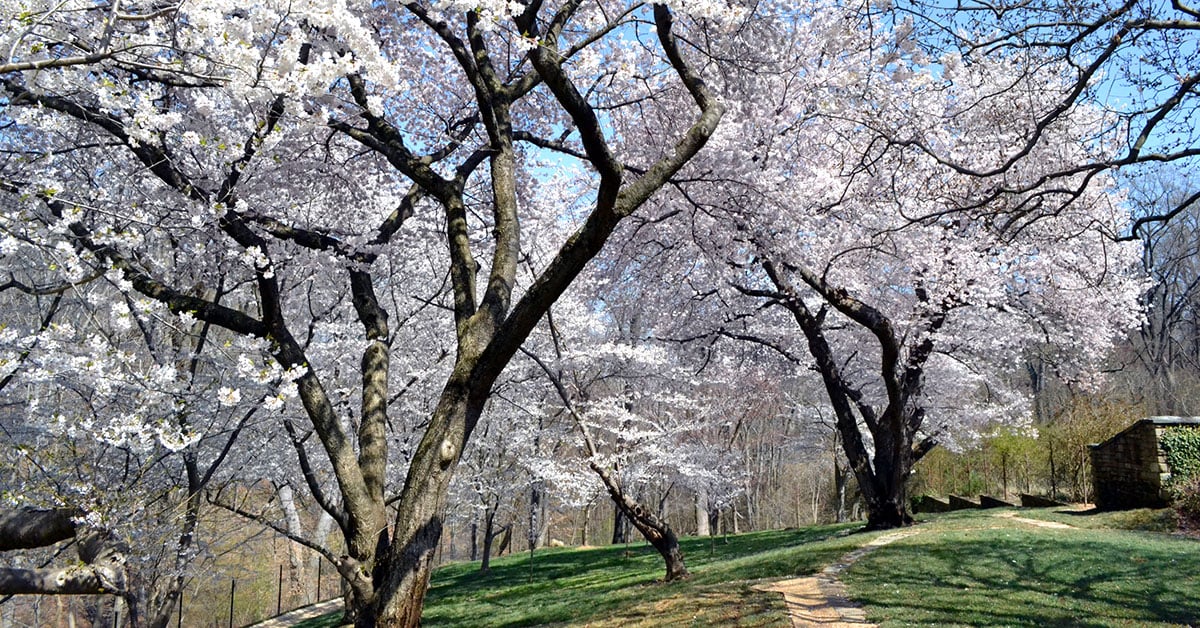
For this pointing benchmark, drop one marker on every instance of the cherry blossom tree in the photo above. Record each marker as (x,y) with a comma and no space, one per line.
(1136,61)
(376,205)
(628,422)
(114,425)
(874,198)
(321,167)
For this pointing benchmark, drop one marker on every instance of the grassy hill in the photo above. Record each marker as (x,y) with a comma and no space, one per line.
(967,568)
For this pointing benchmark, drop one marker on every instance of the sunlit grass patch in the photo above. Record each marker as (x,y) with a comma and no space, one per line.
(965,568)
(1007,574)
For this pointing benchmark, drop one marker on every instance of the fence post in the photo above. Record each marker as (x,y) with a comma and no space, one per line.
(232,590)
(180,624)
(279,595)
(319,562)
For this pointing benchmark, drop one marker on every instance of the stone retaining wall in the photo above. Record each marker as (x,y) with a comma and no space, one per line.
(1130,469)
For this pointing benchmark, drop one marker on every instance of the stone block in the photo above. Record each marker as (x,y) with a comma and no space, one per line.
(962,503)
(992,502)
(1036,501)
(929,503)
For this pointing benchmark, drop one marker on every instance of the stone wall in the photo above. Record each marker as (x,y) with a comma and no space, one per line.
(1130,470)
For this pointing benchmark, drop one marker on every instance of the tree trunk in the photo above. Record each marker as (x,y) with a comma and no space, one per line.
(1053,471)
(887,500)
(660,535)
(489,535)
(620,527)
(882,477)
(325,524)
(291,514)
(536,517)
(402,582)
(888,514)
(583,532)
(166,599)
(657,531)
(702,527)
(505,539)
(840,480)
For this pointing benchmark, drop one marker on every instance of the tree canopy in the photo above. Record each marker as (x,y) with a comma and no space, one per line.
(311,237)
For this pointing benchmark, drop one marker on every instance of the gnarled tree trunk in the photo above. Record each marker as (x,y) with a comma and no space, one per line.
(400,593)
(656,530)
(882,477)
(103,555)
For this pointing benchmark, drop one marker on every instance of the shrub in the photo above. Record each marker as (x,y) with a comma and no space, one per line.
(1186,495)
(1182,446)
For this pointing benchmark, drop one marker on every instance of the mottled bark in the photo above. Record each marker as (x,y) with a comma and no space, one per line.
(361,517)
(419,519)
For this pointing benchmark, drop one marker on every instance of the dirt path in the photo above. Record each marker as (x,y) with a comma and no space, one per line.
(821,600)
(1036,522)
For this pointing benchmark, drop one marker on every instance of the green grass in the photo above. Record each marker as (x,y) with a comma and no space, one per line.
(608,586)
(1145,519)
(964,568)
(984,571)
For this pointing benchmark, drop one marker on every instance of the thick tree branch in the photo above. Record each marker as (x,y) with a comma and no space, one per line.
(104,556)
(837,389)
(28,528)
(587,241)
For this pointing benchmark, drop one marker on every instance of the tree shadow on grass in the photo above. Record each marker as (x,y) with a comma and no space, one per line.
(1017,578)
(566,585)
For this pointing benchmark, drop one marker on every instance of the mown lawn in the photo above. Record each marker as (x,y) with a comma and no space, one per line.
(966,568)
(977,570)
(1141,519)
(610,587)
